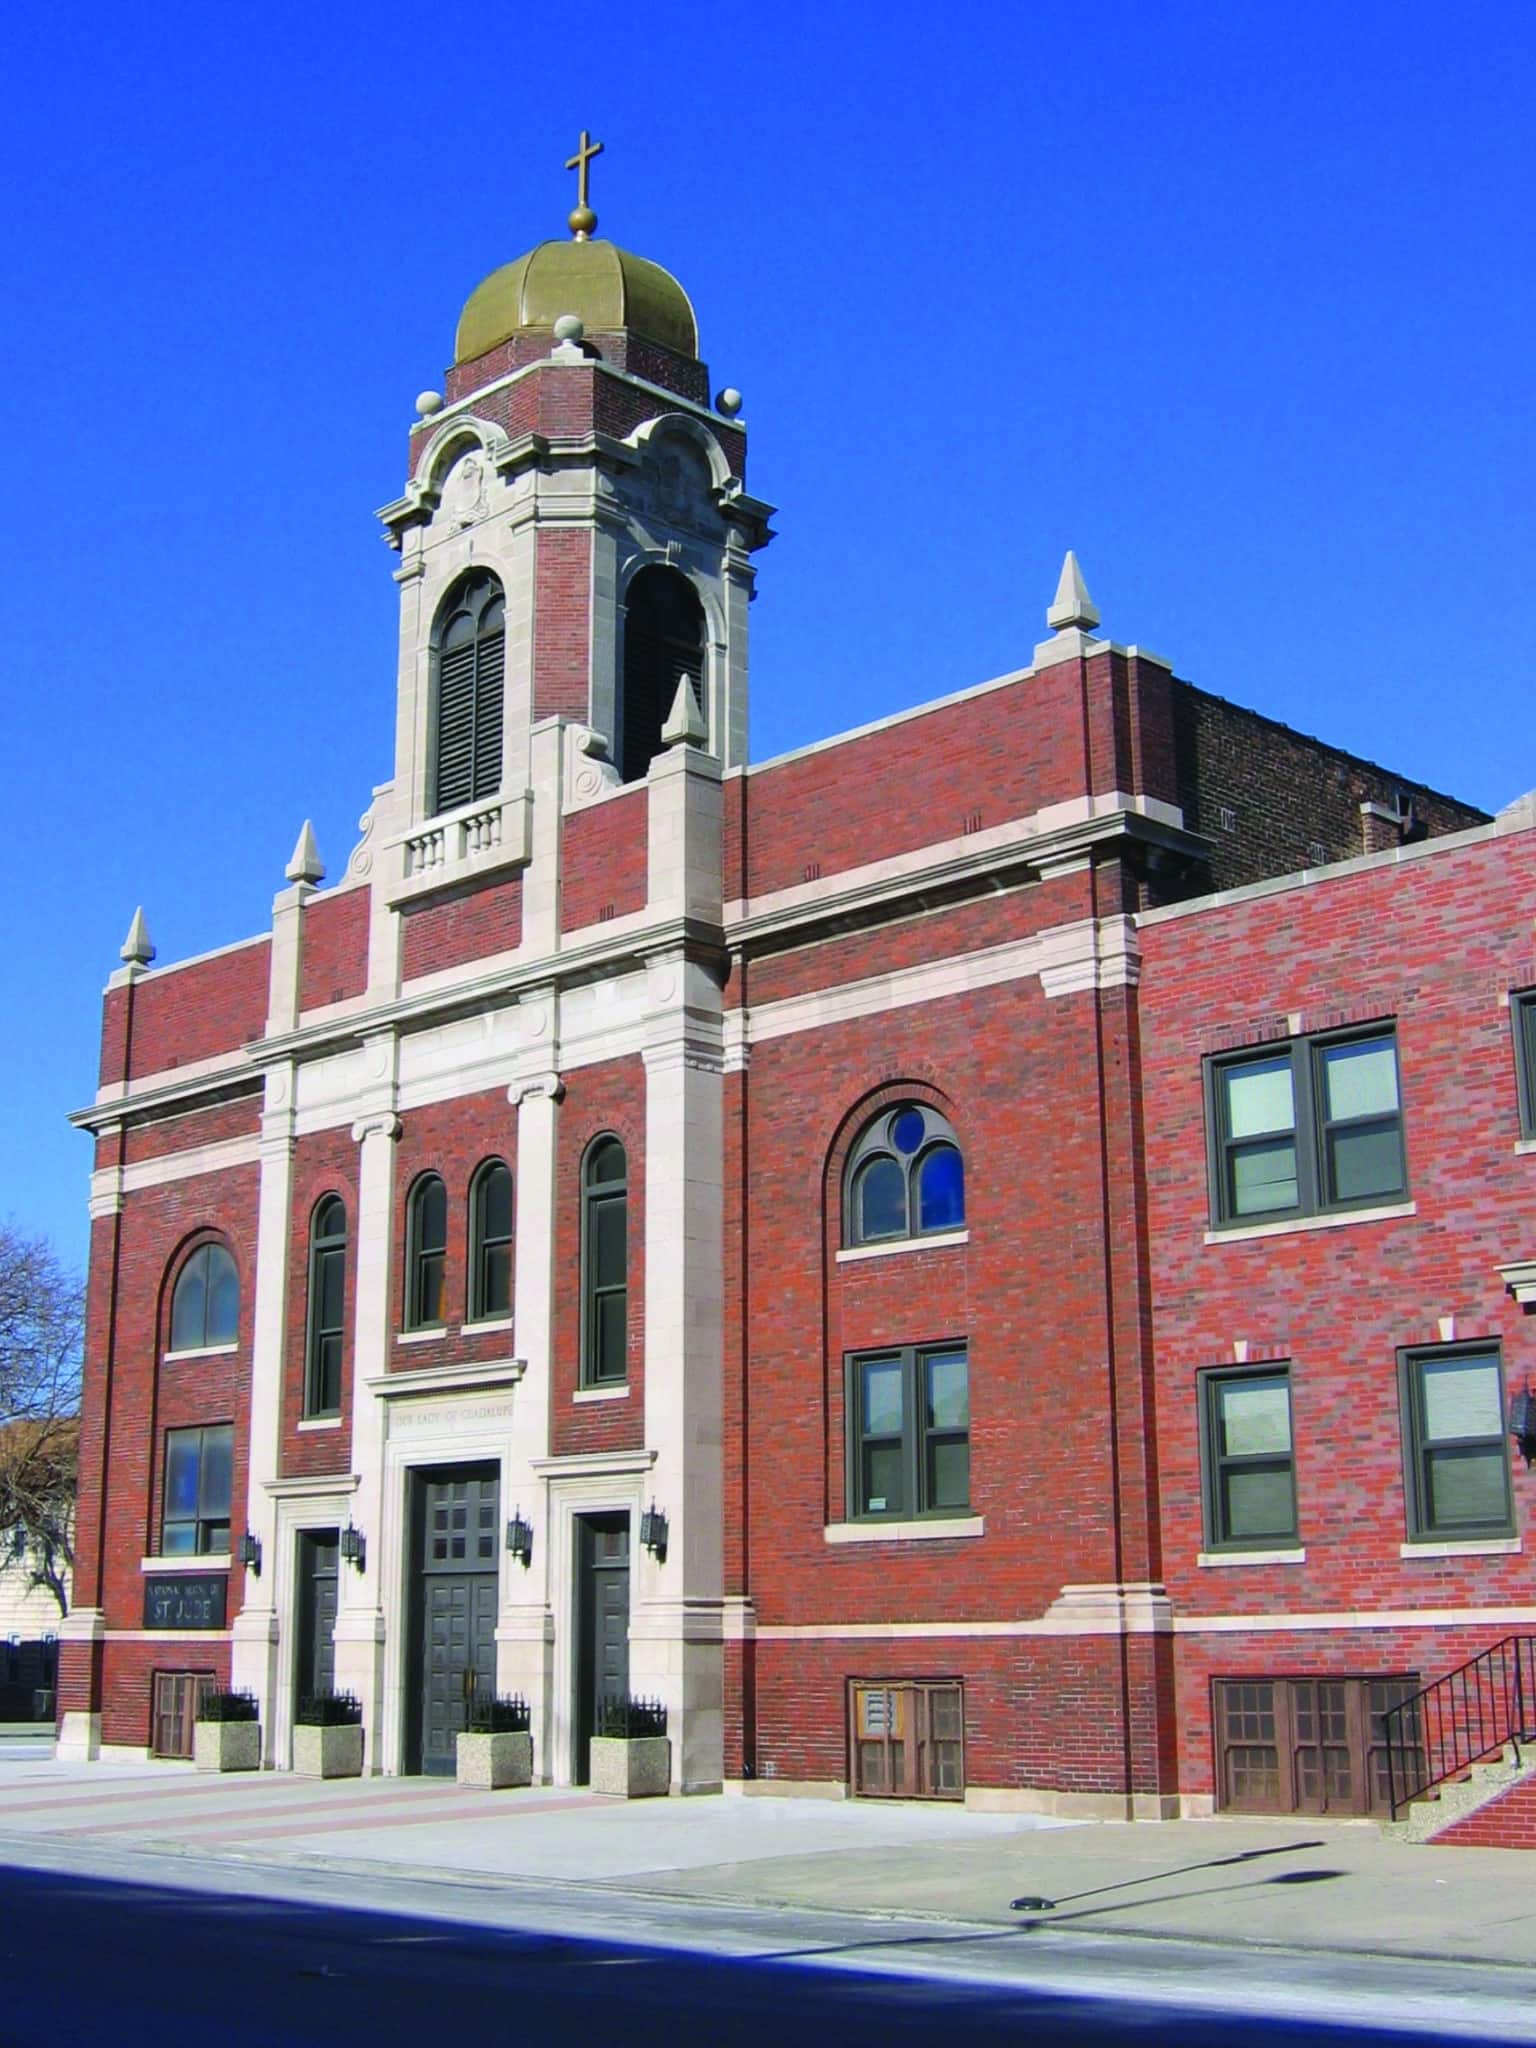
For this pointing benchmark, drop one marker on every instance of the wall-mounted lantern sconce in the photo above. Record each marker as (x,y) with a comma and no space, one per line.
(353,1547)
(250,1553)
(520,1539)
(1522,1424)
(653,1533)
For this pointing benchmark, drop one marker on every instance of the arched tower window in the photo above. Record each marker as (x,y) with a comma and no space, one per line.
(663,639)
(205,1307)
(327,1307)
(490,1241)
(905,1177)
(604,1264)
(469,664)
(426,1253)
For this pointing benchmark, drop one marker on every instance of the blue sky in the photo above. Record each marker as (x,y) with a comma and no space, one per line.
(1235,300)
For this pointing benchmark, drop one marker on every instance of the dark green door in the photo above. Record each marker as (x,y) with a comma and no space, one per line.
(314,1664)
(602,1623)
(455,1634)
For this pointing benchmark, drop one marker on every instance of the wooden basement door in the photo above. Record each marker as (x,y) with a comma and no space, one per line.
(908,1738)
(1303,1745)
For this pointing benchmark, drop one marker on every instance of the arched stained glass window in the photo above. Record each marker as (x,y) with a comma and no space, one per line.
(905,1178)
(205,1306)
(490,1237)
(469,665)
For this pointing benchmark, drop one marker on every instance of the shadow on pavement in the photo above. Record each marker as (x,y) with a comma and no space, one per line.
(86,1959)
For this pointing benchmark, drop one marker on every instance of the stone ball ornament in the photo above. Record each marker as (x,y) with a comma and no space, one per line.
(728,402)
(569,327)
(429,402)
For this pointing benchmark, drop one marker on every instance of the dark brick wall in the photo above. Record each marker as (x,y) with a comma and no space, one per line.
(1287,792)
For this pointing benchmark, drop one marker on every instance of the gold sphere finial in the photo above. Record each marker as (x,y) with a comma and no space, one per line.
(582,219)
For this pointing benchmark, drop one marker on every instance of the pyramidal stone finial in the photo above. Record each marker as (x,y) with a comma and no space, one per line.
(1072,606)
(306,865)
(138,949)
(685,727)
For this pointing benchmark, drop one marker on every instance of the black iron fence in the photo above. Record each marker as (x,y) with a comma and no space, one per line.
(1473,1712)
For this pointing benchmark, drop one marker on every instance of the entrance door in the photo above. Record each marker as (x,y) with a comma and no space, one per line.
(454,1631)
(602,1624)
(314,1663)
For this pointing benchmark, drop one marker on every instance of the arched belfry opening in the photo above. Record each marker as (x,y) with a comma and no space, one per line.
(663,639)
(468,668)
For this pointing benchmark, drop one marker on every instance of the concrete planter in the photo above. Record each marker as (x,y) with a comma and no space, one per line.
(492,1761)
(632,1767)
(227,1745)
(328,1752)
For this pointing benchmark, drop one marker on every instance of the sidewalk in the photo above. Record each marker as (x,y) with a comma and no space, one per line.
(1337,1886)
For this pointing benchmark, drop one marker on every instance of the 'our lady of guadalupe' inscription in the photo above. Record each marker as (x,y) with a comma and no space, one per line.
(451,1414)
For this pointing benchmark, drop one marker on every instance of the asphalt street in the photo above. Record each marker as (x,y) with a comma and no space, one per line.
(129,1947)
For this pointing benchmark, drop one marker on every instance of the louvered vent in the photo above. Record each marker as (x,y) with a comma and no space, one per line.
(471,662)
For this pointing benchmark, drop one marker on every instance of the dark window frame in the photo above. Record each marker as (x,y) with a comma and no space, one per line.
(324,1342)
(207,1516)
(418,1255)
(1419,1449)
(1310,1127)
(482,1243)
(479,684)
(595,1196)
(1522,1012)
(874,1143)
(916,1436)
(203,1254)
(1215,1462)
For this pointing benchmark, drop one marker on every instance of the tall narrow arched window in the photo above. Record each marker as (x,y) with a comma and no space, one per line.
(327,1307)
(469,663)
(426,1253)
(604,1264)
(663,639)
(205,1306)
(905,1177)
(490,1242)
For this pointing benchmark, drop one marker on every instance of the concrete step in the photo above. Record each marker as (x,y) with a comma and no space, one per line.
(1454,1800)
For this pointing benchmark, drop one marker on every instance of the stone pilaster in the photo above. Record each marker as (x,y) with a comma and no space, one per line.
(256,1628)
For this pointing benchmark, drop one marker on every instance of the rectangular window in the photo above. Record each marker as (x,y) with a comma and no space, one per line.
(1523,1012)
(1249,1461)
(1456,1463)
(1304,1745)
(909,1433)
(198,1475)
(1307,1127)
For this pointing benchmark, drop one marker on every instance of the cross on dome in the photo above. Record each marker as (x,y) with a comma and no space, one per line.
(582,219)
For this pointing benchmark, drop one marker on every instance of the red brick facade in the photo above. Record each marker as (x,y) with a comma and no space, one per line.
(1035,911)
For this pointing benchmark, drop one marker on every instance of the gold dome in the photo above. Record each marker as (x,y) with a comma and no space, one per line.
(604,286)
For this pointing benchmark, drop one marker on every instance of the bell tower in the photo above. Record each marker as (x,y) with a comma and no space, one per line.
(575,536)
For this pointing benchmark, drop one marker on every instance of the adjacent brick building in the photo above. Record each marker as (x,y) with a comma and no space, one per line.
(939,1255)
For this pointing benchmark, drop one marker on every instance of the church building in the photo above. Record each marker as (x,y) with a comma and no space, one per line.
(985,1257)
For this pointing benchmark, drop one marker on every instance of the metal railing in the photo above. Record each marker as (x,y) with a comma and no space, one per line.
(1471,1713)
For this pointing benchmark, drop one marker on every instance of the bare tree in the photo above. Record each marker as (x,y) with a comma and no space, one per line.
(42,1315)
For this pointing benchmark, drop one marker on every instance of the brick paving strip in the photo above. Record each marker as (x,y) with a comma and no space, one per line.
(240,1785)
(338,1816)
